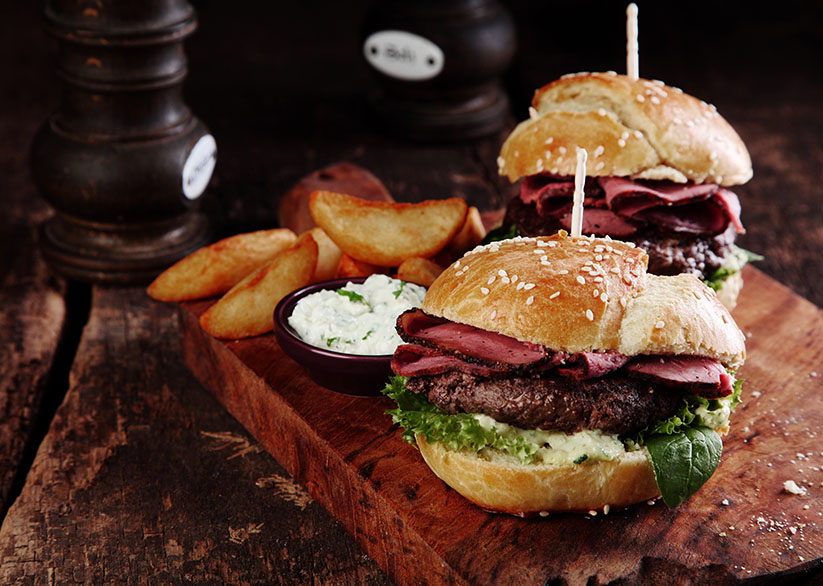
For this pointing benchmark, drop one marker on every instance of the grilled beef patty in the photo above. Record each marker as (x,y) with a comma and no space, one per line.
(613,404)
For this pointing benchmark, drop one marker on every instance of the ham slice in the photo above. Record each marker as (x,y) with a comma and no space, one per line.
(704,377)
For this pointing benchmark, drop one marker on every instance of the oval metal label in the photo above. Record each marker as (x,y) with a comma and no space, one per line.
(199,166)
(403,55)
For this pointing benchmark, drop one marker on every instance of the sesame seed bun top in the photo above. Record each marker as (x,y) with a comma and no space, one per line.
(631,128)
(584,294)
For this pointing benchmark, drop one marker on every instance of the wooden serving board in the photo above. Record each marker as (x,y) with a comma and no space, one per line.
(741,525)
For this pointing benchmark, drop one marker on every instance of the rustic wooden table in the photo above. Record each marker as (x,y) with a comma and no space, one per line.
(115,465)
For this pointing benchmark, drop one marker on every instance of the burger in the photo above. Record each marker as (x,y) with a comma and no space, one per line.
(660,166)
(555,374)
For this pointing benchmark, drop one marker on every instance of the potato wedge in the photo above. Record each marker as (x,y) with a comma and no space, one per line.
(385,234)
(349,268)
(328,255)
(216,268)
(421,271)
(248,308)
(470,234)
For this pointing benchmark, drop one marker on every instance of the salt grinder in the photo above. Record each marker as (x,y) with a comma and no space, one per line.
(123,161)
(439,64)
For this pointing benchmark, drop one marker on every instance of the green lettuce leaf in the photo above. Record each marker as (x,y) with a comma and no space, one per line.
(734,263)
(460,431)
(501,233)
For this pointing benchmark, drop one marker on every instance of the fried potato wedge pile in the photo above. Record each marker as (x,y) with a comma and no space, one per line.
(354,237)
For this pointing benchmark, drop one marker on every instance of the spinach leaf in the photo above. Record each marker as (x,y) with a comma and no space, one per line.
(684,461)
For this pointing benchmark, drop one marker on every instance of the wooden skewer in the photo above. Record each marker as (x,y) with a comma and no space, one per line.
(579,182)
(632,59)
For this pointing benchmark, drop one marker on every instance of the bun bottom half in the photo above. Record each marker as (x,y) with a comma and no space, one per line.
(503,485)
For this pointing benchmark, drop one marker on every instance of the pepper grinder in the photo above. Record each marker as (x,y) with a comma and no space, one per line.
(123,161)
(439,64)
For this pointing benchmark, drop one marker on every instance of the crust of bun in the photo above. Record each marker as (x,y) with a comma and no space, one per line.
(584,294)
(631,128)
(502,484)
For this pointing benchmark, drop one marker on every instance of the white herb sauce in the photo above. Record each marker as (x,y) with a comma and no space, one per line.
(356,319)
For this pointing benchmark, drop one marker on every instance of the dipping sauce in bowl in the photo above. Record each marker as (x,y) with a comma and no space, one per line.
(361,374)
(358,318)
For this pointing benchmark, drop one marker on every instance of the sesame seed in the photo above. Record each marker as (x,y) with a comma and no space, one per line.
(532,113)
(555,294)
(554,170)
(713,156)
(542,243)
(640,98)
(690,123)
(638,134)
(514,278)
(494,314)
(552,243)
(623,301)
(491,280)
(581,280)
(599,257)
(528,286)
(549,140)
(655,100)
(537,250)
(589,315)
(457,264)
(598,279)
(545,259)
(621,142)
(599,166)
(561,150)
(539,164)
(506,280)
(520,285)
(599,150)
(530,300)
(484,290)
(601,111)
(625,134)
(595,293)
(502,273)
(660,325)
(604,298)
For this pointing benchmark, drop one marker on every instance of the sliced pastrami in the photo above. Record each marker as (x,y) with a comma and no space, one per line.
(618,205)
(417,327)
(585,365)
(704,377)
(705,208)
(416,360)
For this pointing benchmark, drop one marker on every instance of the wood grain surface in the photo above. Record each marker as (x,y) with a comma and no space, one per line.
(144,479)
(741,525)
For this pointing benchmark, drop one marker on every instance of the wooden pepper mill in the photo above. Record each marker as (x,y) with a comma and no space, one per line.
(123,161)
(439,64)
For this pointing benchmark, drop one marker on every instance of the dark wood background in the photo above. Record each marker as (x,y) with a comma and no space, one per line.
(115,465)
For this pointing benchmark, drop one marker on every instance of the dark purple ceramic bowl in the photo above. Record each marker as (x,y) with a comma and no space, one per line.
(350,374)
